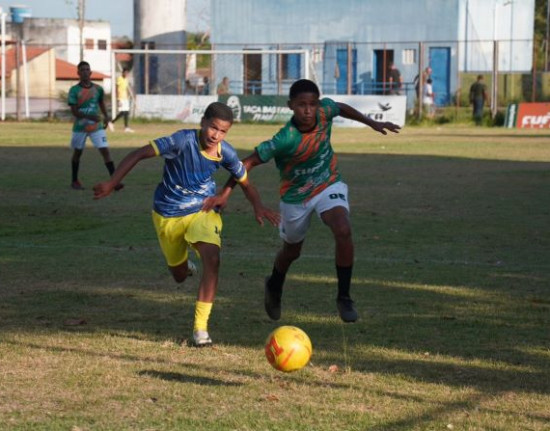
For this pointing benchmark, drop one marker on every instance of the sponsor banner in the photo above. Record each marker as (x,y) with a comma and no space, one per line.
(265,109)
(379,108)
(511,115)
(187,109)
(533,116)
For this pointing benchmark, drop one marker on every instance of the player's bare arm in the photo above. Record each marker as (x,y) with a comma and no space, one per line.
(77,114)
(260,211)
(105,188)
(220,200)
(351,113)
(106,116)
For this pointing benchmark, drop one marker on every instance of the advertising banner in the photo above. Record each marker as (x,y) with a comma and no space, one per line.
(187,109)
(533,116)
(265,109)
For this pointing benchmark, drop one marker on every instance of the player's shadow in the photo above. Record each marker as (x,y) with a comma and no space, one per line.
(187,378)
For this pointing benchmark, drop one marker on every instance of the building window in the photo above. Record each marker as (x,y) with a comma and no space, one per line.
(291,65)
(409,56)
(89,44)
(102,44)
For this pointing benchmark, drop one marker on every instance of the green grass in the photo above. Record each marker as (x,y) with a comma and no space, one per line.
(451,281)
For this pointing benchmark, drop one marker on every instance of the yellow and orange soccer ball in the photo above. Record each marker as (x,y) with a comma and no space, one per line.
(288,348)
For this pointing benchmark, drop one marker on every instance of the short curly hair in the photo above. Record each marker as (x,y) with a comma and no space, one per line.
(303,86)
(219,110)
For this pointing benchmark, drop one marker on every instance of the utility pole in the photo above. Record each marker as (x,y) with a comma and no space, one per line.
(81,13)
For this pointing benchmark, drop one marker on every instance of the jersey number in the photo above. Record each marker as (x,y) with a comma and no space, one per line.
(337,196)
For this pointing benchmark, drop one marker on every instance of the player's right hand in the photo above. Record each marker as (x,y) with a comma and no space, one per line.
(102,189)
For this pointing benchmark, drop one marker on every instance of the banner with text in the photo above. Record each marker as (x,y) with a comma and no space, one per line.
(533,116)
(265,109)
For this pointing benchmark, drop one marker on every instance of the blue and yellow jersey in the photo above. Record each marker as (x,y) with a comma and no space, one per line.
(87,101)
(187,179)
(306,161)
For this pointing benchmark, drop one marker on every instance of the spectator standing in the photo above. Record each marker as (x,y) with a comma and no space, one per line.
(123,93)
(396,81)
(478,98)
(223,87)
(428,99)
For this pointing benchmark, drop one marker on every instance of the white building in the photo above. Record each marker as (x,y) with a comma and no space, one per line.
(64,36)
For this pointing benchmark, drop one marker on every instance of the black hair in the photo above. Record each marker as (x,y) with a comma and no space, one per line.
(303,86)
(82,63)
(219,110)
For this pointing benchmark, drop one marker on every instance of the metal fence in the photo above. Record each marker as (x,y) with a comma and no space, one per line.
(37,80)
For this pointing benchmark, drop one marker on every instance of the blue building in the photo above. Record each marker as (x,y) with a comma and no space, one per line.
(351,43)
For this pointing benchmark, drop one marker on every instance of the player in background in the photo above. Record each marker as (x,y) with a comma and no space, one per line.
(123,93)
(191,157)
(310,182)
(86,102)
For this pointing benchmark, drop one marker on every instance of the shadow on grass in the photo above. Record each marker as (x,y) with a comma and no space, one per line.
(184,378)
(458,266)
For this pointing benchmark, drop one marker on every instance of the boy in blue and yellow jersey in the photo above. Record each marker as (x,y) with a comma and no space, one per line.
(191,158)
(310,182)
(86,100)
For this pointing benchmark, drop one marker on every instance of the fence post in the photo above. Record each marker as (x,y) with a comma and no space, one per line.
(494,93)
(420,92)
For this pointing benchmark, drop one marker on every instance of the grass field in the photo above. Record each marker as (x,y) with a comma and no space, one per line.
(452,282)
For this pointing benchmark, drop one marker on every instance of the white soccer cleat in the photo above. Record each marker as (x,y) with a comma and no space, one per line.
(128,130)
(191,268)
(201,339)
(111,126)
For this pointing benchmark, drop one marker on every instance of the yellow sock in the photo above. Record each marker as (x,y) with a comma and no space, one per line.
(202,313)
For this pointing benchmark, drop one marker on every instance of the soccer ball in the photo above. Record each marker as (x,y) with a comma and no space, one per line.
(288,348)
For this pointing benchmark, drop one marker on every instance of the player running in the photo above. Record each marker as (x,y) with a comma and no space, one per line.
(310,182)
(191,158)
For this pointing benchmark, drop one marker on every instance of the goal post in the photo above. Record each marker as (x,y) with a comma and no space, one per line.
(188,72)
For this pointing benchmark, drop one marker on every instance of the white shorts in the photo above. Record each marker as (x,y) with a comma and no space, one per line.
(123,105)
(296,218)
(98,138)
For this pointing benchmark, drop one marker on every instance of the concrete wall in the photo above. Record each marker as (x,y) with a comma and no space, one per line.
(41,77)
(162,26)
(64,35)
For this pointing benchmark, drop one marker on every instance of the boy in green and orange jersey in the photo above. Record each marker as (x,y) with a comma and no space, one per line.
(86,100)
(310,182)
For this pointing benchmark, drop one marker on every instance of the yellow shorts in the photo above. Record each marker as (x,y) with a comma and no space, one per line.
(176,234)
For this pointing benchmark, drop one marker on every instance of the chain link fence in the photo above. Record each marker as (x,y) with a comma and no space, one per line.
(37,79)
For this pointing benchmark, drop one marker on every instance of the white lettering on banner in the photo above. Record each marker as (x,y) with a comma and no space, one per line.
(189,109)
(535,120)
(379,108)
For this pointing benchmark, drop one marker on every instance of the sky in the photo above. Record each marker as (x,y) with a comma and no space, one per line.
(120,13)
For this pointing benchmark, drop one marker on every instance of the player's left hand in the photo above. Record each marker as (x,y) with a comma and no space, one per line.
(382,126)
(217,203)
(262,212)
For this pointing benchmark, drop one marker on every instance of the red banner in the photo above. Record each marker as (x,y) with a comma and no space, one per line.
(533,116)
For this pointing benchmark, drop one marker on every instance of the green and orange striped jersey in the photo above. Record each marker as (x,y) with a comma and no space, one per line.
(306,161)
(87,100)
